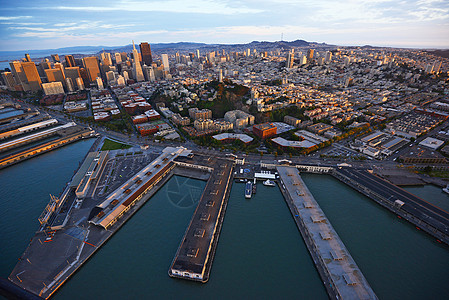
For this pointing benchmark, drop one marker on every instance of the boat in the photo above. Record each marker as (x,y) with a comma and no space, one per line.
(268,182)
(254,186)
(446,189)
(248,189)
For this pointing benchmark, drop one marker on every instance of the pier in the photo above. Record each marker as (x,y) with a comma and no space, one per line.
(54,255)
(419,212)
(46,147)
(193,260)
(338,270)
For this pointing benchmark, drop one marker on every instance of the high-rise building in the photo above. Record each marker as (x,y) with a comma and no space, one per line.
(53,88)
(310,54)
(91,65)
(177,58)
(60,67)
(165,62)
(17,71)
(145,50)
(69,84)
(84,74)
(72,72)
(99,82)
(55,57)
(120,80)
(110,77)
(149,73)
(290,59)
(118,58)
(328,57)
(54,75)
(137,68)
(69,61)
(198,54)
(27,57)
(106,58)
(8,78)
(32,76)
(80,83)
(220,75)
(211,57)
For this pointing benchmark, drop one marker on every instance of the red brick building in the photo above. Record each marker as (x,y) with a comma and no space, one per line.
(265,130)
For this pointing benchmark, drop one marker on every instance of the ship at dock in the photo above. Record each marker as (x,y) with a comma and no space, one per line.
(446,189)
(268,182)
(248,189)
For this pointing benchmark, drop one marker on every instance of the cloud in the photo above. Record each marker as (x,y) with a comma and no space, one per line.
(3,18)
(170,6)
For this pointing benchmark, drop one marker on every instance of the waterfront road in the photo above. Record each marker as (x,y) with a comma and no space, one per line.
(414,205)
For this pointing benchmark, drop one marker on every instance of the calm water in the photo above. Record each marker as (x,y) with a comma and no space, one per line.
(24,193)
(398,261)
(432,194)
(260,252)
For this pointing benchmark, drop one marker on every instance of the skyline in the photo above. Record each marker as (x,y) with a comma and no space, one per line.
(408,24)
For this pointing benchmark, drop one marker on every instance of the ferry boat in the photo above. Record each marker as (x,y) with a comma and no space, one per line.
(268,182)
(248,189)
(446,189)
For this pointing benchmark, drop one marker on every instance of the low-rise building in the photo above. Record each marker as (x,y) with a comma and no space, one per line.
(264,130)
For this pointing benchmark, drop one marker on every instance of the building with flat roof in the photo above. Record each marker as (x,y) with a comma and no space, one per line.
(294,144)
(225,137)
(264,130)
(319,128)
(124,197)
(431,143)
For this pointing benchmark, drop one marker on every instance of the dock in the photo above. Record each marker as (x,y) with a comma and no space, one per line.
(193,259)
(79,133)
(338,270)
(55,253)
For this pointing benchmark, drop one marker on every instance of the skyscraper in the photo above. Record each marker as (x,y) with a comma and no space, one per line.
(145,50)
(328,57)
(19,75)
(27,57)
(73,73)
(55,57)
(54,75)
(137,68)
(118,58)
(290,59)
(8,78)
(91,65)
(32,76)
(69,61)
(310,54)
(165,62)
(106,58)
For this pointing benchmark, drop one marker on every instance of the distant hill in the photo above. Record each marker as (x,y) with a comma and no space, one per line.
(441,53)
(158,47)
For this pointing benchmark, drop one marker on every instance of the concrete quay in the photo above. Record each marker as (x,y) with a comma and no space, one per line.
(194,257)
(43,148)
(338,270)
(52,257)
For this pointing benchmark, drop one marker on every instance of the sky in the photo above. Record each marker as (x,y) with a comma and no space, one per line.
(43,24)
